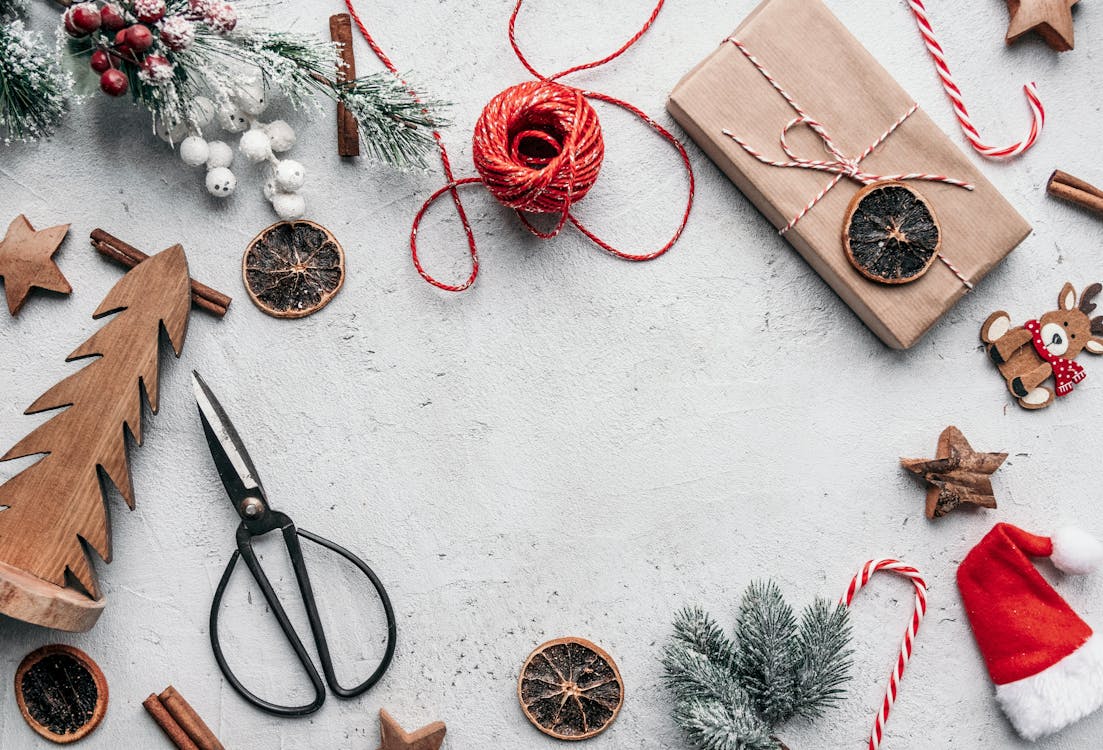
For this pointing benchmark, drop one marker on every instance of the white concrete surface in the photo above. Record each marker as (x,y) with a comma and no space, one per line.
(578,445)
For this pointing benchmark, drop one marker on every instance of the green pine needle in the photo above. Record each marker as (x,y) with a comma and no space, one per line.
(34,92)
(731,695)
(766,630)
(824,657)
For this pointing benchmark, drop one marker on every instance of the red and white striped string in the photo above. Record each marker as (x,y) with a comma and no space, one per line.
(841,165)
(860,580)
(938,55)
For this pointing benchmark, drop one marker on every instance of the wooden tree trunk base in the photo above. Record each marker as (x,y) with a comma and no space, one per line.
(30,599)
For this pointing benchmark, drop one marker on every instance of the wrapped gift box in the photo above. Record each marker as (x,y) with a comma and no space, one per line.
(836,81)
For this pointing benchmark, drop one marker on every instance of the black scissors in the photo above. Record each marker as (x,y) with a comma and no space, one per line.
(258,518)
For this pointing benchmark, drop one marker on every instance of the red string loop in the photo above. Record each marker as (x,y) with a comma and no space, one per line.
(538,148)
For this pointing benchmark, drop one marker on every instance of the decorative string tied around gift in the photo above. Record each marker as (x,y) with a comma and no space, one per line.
(842,166)
(538,148)
(859,581)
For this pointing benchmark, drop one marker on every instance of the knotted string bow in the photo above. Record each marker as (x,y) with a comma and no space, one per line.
(841,165)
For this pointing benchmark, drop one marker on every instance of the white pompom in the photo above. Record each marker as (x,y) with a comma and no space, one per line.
(250,96)
(194,151)
(270,188)
(255,145)
(171,131)
(289,205)
(281,134)
(221,182)
(202,111)
(1075,551)
(221,155)
(232,118)
(290,175)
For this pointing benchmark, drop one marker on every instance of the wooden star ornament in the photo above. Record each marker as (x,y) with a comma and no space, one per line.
(394,737)
(1052,19)
(958,475)
(26,261)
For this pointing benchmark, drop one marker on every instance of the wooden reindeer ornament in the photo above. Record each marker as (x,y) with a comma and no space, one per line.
(53,513)
(1030,354)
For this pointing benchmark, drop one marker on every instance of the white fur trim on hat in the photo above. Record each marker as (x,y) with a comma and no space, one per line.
(1076,551)
(1057,696)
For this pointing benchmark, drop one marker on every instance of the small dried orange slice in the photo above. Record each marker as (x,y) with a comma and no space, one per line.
(570,689)
(293,268)
(61,693)
(890,233)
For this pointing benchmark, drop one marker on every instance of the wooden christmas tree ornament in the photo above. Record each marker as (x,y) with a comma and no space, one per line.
(55,508)
(957,475)
(61,693)
(394,737)
(26,261)
(1052,19)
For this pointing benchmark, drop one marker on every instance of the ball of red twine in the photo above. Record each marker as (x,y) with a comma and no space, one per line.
(538,147)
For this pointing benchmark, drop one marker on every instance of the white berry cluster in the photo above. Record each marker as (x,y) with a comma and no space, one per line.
(260,142)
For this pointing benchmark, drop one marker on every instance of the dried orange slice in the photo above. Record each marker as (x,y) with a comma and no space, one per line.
(293,268)
(890,233)
(570,689)
(61,693)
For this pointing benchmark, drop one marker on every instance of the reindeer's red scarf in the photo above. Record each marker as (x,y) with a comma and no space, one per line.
(1066,372)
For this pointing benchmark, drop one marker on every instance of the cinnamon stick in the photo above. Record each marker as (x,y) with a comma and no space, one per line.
(1066,187)
(112,247)
(188,720)
(348,135)
(168,725)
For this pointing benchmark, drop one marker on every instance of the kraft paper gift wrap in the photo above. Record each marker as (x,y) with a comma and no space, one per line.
(839,83)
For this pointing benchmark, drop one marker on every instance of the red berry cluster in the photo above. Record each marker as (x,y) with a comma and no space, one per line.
(131,43)
(124,38)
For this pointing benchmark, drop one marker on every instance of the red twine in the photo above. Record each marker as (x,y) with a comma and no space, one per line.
(538,148)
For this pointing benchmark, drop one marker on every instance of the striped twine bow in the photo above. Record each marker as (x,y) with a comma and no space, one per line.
(841,166)
(856,585)
(1038,112)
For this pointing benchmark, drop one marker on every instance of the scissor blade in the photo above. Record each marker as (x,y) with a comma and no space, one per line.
(230,457)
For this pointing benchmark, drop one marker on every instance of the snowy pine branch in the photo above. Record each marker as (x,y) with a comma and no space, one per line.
(824,665)
(732,694)
(34,92)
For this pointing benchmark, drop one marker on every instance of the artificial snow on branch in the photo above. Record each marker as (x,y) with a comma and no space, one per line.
(34,91)
(732,693)
(191,64)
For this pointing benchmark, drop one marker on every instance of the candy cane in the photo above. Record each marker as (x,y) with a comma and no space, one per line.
(962,112)
(860,580)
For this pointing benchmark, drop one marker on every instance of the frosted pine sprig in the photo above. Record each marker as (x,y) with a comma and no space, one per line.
(731,694)
(34,92)
(395,121)
(11,8)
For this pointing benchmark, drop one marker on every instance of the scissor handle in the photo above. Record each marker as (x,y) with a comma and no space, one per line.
(290,535)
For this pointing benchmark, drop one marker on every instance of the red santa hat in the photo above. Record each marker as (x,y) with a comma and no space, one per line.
(1045,661)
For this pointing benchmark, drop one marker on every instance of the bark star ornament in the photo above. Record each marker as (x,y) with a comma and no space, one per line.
(958,475)
(394,737)
(1052,19)
(26,261)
